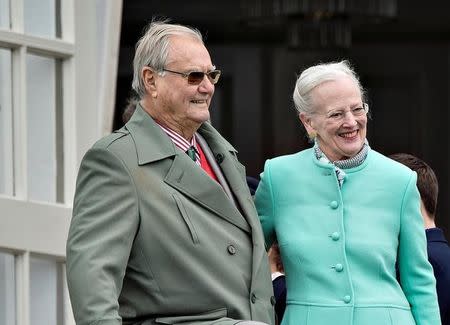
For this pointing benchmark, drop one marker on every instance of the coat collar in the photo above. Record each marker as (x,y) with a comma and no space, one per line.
(435,235)
(330,166)
(153,145)
(150,141)
(214,139)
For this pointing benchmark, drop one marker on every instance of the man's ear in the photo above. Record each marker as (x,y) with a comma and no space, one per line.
(149,80)
(308,124)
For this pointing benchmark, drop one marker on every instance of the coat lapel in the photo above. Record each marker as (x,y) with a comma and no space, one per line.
(150,141)
(234,173)
(232,169)
(193,182)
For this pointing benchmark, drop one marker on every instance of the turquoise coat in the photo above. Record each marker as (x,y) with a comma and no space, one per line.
(340,247)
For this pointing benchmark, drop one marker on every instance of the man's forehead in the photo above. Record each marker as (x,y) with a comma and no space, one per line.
(187,49)
(184,44)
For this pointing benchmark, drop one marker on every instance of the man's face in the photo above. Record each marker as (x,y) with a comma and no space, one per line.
(180,104)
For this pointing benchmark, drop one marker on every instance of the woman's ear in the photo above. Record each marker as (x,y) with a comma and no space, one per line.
(308,124)
(149,79)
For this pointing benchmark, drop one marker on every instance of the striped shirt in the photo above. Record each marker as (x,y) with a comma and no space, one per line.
(181,143)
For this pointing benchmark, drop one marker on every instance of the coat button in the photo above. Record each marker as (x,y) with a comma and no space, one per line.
(334,204)
(231,249)
(253,298)
(347,299)
(335,236)
(272,300)
(219,158)
(338,267)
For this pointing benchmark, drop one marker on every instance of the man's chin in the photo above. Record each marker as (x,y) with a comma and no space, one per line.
(201,118)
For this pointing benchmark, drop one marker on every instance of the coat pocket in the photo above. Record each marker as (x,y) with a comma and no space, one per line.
(206,316)
(186,218)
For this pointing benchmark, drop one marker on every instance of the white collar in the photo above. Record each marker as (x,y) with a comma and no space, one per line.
(276,275)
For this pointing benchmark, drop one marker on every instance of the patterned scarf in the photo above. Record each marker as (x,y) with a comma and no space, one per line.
(339,165)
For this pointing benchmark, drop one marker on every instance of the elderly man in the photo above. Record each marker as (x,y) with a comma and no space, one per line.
(164,230)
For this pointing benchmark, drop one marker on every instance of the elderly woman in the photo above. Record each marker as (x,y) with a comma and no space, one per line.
(346,217)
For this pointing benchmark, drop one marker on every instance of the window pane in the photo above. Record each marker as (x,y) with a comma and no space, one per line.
(7,289)
(46,292)
(41,17)
(4,14)
(6,151)
(42,95)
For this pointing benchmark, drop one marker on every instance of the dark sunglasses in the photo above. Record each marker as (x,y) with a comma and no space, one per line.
(196,77)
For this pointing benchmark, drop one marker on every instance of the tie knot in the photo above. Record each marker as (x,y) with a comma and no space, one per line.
(191,153)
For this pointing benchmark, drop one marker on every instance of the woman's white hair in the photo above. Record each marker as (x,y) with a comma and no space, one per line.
(316,75)
(152,49)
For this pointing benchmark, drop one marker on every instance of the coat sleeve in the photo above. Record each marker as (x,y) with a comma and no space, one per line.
(103,226)
(416,274)
(265,205)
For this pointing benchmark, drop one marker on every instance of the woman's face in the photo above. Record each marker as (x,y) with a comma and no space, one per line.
(339,118)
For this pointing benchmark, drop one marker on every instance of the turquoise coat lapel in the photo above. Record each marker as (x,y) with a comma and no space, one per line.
(153,145)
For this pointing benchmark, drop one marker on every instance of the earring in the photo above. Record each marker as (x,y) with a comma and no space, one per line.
(312,135)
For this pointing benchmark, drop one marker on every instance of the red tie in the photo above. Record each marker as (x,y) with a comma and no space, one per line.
(205,164)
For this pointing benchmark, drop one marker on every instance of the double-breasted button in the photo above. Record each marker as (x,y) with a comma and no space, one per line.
(334,204)
(347,299)
(219,158)
(253,298)
(272,300)
(335,236)
(338,267)
(231,249)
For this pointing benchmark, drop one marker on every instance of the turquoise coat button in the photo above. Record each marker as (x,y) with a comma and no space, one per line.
(335,236)
(334,204)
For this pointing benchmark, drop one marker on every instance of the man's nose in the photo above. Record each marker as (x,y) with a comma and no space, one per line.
(206,86)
